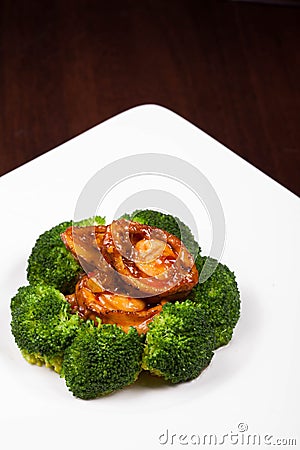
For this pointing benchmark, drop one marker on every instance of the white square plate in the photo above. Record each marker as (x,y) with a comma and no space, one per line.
(251,387)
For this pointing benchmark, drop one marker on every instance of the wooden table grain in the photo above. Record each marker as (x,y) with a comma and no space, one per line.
(231,68)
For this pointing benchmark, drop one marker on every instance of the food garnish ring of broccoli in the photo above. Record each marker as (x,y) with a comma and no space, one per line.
(96,360)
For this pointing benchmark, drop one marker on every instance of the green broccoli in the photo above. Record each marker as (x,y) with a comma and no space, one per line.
(51,263)
(101,360)
(96,360)
(219,297)
(166,222)
(179,343)
(42,324)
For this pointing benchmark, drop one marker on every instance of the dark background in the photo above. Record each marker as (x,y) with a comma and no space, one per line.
(231,68)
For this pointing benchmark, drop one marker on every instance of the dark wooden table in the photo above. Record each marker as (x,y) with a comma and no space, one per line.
(232,69)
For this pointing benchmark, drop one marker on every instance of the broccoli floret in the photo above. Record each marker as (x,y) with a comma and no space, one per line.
(51,263)
(42,324)
(101,360)
(220,298)
(166,222)
(52,362)
(179,343)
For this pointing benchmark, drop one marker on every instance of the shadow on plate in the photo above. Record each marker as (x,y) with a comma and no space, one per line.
(146,380)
